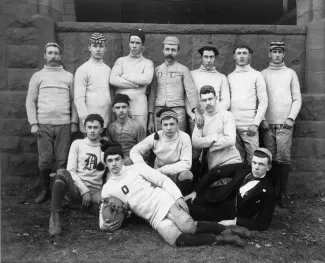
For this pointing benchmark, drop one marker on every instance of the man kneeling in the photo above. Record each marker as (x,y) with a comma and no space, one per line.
(155,198)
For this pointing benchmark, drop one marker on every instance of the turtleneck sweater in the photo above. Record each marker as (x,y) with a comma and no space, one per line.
(131,75)
(219,135)
(50,97)
(248,101)
(283,92)
(84,156)
(92,94)
(173,155)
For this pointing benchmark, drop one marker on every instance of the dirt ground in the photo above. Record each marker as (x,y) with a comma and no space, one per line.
(297,234)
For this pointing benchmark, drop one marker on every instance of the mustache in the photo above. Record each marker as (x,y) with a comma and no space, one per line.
(169,56)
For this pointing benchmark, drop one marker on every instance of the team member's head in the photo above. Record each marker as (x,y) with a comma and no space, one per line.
(171,49)
(208,55)
(169,121)
(136,41)
(113,156)
(94,126)
(121,106)
(277,52)
(242,54)
(97,46)
(52,54)
(208,98)
(261,162)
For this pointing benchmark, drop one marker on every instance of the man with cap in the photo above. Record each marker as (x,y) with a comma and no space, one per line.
(51,114)
(124,130)
(82,181)
(172,83)
(173,150)
(132,74)
(284,104)
(92,92)
(248,101)
(154,197)
(243,196)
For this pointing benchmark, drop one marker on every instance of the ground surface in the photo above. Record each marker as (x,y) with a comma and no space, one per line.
(296,235)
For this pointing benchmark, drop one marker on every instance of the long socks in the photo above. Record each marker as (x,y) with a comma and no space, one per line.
(209,227)
(59,190)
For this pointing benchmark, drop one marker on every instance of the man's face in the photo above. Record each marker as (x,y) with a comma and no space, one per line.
(97,51)
(52,56)
(121,110)
(170,52)
(169,127)
(209,102)
(114,163)
(260,166)
(93,130)
(277,56)
(135,45)
(242,56)
(208,59)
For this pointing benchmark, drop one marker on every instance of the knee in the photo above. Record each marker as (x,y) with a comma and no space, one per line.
(185,175)
(188,226)
(62,175)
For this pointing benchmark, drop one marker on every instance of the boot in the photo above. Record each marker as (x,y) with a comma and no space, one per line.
(45,183)
(241,231)
(284,200)
(54,226)
(227,238)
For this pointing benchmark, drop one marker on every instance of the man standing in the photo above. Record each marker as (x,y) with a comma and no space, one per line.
(173,150)
(92,93)
(82,181)
(51,114)
(131,75)
(284,104)
(172,82)
(124,130)
(248,100)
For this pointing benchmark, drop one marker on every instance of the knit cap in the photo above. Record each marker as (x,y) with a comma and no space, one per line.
(52,44)
(110,148)
(277,45)
(165,112)
(121,98)
(139,33)
(97,38)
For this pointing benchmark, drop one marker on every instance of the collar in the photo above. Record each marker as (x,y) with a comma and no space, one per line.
(116,176)
(213,113)
(277,66)
(135,56)
(58,68)
(94,61)
(91,143)
(170,139)
(204,69)
(169,65)
(245,68)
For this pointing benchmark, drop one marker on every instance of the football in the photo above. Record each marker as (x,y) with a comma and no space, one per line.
(113,210)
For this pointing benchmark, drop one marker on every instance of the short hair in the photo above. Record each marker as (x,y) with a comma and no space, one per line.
(250,51)
(166,118)
(179,47)
(207,89)
(201,51)
(94,117)
(260,154)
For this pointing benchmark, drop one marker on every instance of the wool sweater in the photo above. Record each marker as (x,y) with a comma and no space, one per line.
(92,93)
(84,156)
(219,135)
(131,75)
(149,193)
(50,97)
(248,94)
(173,156)
(283,91)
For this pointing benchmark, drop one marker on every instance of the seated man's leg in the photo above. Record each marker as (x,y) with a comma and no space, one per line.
(184,181)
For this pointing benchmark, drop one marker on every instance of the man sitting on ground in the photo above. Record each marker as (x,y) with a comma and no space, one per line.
(173,150)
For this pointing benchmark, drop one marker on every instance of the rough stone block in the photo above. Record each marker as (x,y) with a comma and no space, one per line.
(18,79)
(23,56)
(23,36)
(312,107)
(303,148)
(3,52)
(307,182)
(10,144)
(2,25)
(316,35)
(23,164)
(69,18)
(316,82)
(319,146)
(310,129)
(310,165)
(69,9)
(12,105)
(29,144)
(21,8)
(3,78)
(316,60)
(14,127)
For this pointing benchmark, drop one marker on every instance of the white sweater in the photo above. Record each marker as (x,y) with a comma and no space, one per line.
(149,193)
(283,91)
(248,95)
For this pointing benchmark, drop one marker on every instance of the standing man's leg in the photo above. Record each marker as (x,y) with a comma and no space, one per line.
(251,144)
(182,122)
(62,144)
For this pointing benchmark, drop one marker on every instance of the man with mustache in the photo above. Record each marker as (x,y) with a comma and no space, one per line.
(131,75)
(248,101)
(51,114)
(124,130)
(172,83)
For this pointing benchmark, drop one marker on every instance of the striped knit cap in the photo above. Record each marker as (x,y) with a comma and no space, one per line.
(167,112)
(277,45)
(97,38)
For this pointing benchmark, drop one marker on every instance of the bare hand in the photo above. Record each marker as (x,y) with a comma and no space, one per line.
(86,200)
(252,130)
(265,125)
(35,130)
(191,197)
(111,227)
(74,127)
(199,119)
(180,203)
(288,124)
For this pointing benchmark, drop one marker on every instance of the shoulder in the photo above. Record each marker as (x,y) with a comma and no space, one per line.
(147,61)
(77,143)
(182,67)
(106,66)
(184,136)
(135,124)
(195,71)
(82,67)
(231,74)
